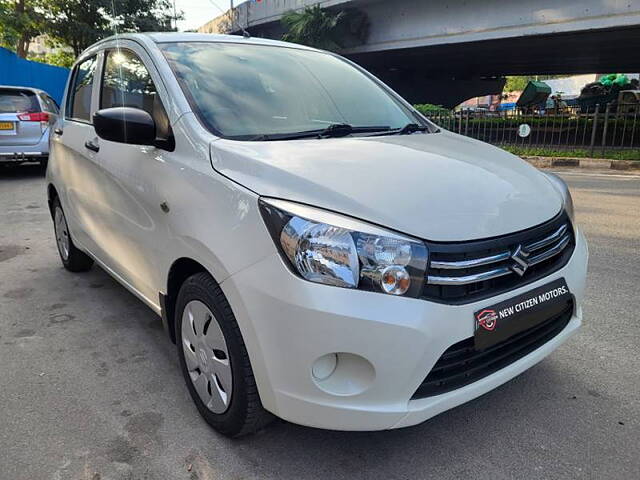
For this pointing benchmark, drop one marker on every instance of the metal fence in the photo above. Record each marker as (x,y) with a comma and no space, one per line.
(596,129)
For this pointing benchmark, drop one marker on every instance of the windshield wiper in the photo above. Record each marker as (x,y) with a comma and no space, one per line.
(343,129)
(413,128)
(408,129)
(332,131)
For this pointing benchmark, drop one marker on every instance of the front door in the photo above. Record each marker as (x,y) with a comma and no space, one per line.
(131,213)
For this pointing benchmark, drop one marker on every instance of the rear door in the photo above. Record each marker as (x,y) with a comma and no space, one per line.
(73,153)
(17,108)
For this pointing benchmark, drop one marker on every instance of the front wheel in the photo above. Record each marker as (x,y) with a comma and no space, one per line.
(214,359)
(73,259)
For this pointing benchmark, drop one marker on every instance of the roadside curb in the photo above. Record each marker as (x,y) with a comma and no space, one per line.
(582,163)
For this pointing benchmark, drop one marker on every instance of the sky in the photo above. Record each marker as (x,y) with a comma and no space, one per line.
(199,12)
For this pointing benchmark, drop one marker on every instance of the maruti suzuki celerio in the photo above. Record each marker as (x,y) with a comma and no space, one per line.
(316,248)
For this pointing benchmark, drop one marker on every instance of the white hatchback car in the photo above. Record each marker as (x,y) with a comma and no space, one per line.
(316,248)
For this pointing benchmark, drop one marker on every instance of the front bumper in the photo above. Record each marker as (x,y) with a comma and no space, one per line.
(388,344)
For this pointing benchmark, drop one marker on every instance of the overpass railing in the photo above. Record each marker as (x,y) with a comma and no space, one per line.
(593,131)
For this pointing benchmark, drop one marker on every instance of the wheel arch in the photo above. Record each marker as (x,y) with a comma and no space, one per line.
(180,270)
(52,194)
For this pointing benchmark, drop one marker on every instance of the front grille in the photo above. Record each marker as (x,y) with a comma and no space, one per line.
(461,364)
(465,272)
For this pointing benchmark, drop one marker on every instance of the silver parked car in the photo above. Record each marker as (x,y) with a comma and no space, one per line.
(26,117)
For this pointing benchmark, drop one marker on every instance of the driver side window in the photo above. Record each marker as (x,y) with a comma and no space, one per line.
(126,83)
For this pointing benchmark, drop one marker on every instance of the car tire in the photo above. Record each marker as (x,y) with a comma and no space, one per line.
(72,258)
(44,162)
(214,359)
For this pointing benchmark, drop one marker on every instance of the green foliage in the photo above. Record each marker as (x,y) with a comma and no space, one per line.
(60,58)
(573,153)
(20,22)
(429,109)
(79,23)
(515,84)
(314,27)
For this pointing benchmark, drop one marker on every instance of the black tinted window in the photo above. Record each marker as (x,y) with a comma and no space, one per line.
(80,96)
(126,82)
(18,101)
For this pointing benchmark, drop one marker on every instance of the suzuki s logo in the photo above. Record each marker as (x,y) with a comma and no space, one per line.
(520,258)
(487,319)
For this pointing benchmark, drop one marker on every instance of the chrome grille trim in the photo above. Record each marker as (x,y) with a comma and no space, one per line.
(467,279)
(532,247)
(552,252)
(476,262)
(556,241)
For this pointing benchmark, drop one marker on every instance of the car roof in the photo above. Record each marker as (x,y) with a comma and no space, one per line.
(16,87)
(171,37)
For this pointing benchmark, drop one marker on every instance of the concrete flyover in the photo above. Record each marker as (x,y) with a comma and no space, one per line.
(442,51)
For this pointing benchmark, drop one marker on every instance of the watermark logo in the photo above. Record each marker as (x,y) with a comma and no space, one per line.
(487,319)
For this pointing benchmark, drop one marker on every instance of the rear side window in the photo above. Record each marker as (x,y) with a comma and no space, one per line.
(49,103)
(79,106)
(126,82)
(18,101)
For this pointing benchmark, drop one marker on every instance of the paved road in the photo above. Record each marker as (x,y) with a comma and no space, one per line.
(90,387)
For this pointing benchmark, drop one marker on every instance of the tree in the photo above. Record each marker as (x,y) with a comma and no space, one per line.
(61,58)
(145,15)
(79,23)
(314,27)
(20,22)
(517,83)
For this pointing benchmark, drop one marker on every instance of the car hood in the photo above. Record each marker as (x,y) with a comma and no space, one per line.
(440,187)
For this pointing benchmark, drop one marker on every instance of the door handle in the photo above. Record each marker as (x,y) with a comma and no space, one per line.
(58,131)
(92,146)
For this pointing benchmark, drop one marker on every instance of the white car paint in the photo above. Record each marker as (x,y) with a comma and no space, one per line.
(382,180)
(439,186)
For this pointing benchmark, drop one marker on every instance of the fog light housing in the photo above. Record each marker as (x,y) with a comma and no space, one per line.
(324,366)
(342,373)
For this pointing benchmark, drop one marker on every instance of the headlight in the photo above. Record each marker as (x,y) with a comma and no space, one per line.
(332,249)
(561,186)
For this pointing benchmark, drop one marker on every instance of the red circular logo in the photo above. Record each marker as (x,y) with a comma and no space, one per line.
(487,319)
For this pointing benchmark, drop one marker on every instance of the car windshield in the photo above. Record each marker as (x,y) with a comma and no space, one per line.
(249,92)
(18,101)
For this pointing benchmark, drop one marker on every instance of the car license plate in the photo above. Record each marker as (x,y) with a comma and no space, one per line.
(496,323)
(6,125)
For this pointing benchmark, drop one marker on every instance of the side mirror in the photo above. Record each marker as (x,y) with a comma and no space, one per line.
(125,125)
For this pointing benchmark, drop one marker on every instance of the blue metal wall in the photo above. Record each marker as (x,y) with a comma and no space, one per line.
(24,73)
